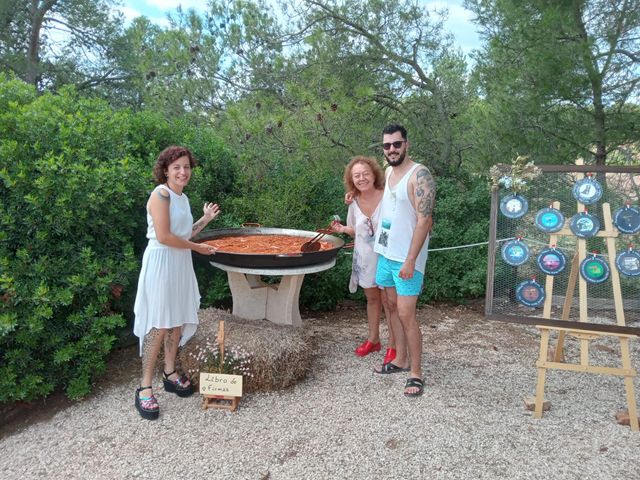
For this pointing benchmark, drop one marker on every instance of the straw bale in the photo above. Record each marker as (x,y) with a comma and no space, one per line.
(280,355)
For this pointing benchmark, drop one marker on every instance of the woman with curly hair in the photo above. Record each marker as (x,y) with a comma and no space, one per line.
(167,300)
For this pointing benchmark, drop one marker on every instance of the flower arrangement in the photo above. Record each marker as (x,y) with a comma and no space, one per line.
(236,361)
(515,176)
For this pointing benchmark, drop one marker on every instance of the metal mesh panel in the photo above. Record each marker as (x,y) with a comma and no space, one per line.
(549,187)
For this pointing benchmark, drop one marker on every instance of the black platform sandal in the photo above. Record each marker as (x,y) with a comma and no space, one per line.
(147,406)
(178,386)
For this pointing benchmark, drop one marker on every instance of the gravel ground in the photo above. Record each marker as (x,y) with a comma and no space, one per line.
(343,421)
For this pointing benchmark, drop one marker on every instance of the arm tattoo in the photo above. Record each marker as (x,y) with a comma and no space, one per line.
(199,225)
(163,197)
(425,192)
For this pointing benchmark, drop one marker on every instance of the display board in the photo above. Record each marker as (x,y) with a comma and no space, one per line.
(550,236)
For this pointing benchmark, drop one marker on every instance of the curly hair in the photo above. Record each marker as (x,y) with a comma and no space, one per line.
(167,157)
(375,167)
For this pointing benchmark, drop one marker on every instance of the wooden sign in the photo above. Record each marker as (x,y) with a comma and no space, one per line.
(220,384)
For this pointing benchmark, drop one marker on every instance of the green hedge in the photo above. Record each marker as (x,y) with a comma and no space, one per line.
(461,218)
(74,179)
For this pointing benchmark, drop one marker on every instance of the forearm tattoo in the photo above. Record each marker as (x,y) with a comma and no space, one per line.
(199,225)
(425,192)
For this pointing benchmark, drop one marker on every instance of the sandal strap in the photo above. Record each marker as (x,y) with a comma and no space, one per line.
(148,403)
(414,382)
(139,389)
(180,381)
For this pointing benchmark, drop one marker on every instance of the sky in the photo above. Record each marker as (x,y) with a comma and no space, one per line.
(459,22)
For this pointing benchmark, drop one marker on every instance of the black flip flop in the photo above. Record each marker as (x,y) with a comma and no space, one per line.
(391,368)
(414,382)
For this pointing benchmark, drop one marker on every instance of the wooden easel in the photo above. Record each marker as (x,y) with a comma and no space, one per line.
(220,401)
(583,335)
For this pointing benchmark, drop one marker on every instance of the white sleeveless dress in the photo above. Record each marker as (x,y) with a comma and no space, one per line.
(168,295)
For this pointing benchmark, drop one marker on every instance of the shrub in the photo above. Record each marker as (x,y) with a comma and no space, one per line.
(65,254)
(461,217)
(74,179)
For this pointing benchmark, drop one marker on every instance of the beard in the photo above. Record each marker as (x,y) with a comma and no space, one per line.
(395,163)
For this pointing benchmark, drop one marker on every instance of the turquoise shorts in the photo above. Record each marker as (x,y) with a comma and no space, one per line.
(387,276)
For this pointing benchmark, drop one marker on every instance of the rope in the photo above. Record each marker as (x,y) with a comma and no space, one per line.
(468,246)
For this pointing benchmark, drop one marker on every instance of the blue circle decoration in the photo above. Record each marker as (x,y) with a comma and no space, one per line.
(594,269)
(584,225)
(587,191)
(530,293)
(549,220)
(514,205)
(628,263)
(551,261)
(515,252)
(627,219)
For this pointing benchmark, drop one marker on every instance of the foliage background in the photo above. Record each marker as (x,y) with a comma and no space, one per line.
(273,99)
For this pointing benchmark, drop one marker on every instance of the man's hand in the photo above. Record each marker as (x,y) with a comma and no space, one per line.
(407,269)
(348,198)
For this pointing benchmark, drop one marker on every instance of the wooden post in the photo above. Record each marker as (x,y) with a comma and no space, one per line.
(488,299)
(220,401)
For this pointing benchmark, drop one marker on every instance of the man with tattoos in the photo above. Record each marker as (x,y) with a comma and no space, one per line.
(167,300)
(402,241)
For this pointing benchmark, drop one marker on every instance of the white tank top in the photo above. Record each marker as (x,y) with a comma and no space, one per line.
(398,219)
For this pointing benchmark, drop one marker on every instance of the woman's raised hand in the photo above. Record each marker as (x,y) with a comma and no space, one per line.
(211,210)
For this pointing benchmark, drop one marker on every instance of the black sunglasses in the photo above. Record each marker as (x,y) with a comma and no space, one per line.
(396,144)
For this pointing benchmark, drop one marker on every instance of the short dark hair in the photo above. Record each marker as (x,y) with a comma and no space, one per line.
(167,157)
(393,128)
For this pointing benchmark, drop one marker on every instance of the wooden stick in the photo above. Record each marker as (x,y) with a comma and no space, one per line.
(221,343)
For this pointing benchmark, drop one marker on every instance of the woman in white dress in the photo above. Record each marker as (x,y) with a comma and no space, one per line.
(364,183)
(167,300)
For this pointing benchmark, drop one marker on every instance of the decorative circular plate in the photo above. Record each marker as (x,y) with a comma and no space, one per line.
(514,206)
(627,219)
(584,225)
(587,190)
(530,293)
(594,269)
(551,261)
(515,252)
(628,263)
(549,220)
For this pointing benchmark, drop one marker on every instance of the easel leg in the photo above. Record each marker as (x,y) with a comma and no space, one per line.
(628,385)
(566,309)
(544,348)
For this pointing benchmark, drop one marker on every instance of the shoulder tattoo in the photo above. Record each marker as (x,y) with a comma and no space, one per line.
(163,195)
(425,191)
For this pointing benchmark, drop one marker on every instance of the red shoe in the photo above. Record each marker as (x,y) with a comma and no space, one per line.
(389,356)
(367,347)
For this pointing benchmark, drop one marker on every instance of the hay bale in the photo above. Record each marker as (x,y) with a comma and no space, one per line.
(280,355)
